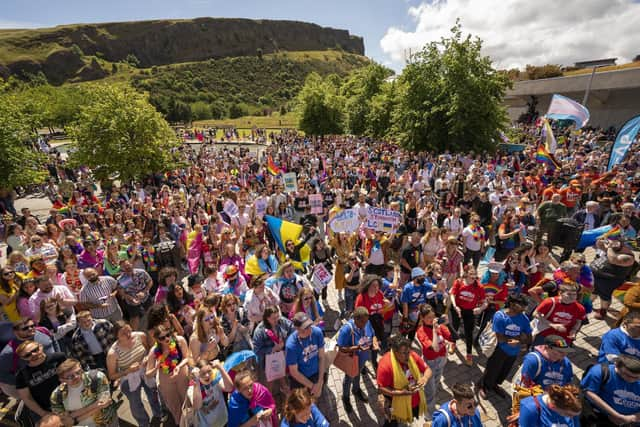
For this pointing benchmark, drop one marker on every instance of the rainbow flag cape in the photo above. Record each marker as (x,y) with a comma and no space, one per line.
(621,291)
(282,231)
(614,233)
(272,167)
(543,156)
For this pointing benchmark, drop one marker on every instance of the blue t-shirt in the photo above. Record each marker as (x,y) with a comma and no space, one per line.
(445,418)
(511,327)
(239,411)
(544,372)
(386,289)
(622,396)
(617,342)
(304,352)
(362,337)
(415,295)
(531,416)
(316,420)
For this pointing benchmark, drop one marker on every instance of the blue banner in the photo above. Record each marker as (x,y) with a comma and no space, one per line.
(625,137)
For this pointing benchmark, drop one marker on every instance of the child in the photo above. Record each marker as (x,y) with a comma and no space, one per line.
(210,380)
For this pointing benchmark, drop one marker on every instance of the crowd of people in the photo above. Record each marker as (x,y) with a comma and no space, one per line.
(180,287)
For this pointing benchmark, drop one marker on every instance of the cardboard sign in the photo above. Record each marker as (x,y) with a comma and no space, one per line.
(380,219)
(261,207)
(231,209)
(290,182)
(345,221)
(321,277)
(315,202)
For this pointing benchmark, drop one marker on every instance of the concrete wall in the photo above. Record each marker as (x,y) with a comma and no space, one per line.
(614,97)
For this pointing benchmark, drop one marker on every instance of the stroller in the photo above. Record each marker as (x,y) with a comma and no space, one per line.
(565,233)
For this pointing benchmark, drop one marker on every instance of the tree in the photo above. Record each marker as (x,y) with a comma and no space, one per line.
(360,89)
(119,132)
(450,98)
(20,163)
(321,105)
(381,106)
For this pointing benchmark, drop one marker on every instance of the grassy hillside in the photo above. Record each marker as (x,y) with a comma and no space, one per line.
(235,87)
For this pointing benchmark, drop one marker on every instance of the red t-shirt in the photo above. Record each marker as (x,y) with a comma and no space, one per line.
(570,196)
(385,373)
(468,296)
(425,336)
(564,314)
(373,305)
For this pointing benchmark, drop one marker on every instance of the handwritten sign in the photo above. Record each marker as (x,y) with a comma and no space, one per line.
(380,219)
(261,207)
(345,221)
(315,202)
(290,182)
(321,277)
(231,209)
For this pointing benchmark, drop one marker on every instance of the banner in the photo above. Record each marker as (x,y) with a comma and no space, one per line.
(625,137)
(321,277)
(231,209)
(380,219)
(315,202)
(290,182)
(345,221)
(563,108)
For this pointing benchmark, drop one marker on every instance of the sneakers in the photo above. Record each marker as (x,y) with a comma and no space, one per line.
(347,405)
(360,395)
(468,360)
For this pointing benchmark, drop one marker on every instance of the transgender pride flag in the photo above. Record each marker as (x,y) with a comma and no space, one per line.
(563,108)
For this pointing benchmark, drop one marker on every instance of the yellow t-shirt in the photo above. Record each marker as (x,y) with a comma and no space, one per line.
(10,310)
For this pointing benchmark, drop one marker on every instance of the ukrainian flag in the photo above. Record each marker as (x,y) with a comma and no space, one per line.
(284,230)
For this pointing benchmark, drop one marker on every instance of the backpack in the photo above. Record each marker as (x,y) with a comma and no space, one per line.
(588,416)
(167,254)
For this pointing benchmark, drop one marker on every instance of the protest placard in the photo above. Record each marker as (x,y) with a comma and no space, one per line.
(380,219)
(321,277)
(290,182)
(315,202)
(231,209)
(261,207)
(345,221)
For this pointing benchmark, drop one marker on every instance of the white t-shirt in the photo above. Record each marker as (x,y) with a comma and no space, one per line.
(74,402)
(469,242)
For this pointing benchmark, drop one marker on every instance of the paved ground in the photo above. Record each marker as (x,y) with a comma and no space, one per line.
(494,410)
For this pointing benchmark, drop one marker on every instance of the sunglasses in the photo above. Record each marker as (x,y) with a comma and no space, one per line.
(307,299)
(36,241)
(28,354)
(163,337)
(73,375)
(8,273)
(210,318)
(27,327)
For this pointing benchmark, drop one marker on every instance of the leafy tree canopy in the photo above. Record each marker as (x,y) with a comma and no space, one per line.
(321,105)
(450,98)
(119,132)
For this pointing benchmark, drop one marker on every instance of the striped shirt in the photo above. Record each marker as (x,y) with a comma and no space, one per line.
(127,357)
(99,293)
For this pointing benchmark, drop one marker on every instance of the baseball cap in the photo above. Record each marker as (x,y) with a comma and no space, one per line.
(301,320)
(556,342)
(417,272)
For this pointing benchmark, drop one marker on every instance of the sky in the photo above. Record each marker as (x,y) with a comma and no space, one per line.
(514,32)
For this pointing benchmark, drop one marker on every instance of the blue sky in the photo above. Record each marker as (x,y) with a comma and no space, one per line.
(515,32)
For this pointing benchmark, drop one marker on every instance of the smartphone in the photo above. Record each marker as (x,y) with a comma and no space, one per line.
(441,320)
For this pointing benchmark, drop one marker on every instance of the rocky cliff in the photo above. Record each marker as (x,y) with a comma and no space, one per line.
(61,52)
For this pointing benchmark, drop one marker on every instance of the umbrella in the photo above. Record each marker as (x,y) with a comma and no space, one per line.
(234,359)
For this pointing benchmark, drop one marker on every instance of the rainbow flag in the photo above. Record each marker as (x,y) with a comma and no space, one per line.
(491,289)
(65,210)
(614,233)
(272,167)
(549,140)
(621,291)
(543,156)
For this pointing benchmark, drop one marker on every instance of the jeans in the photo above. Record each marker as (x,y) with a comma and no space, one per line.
(349,299)
(135,402)
(352,384)
(431,388)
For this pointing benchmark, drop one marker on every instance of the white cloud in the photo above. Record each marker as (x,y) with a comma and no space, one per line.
(520,32)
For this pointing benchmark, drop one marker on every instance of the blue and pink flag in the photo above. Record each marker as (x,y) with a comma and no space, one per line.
(563,108)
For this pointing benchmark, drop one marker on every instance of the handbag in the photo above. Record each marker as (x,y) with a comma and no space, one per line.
(188,416)
(347,363)
(488,340)
(275,366)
